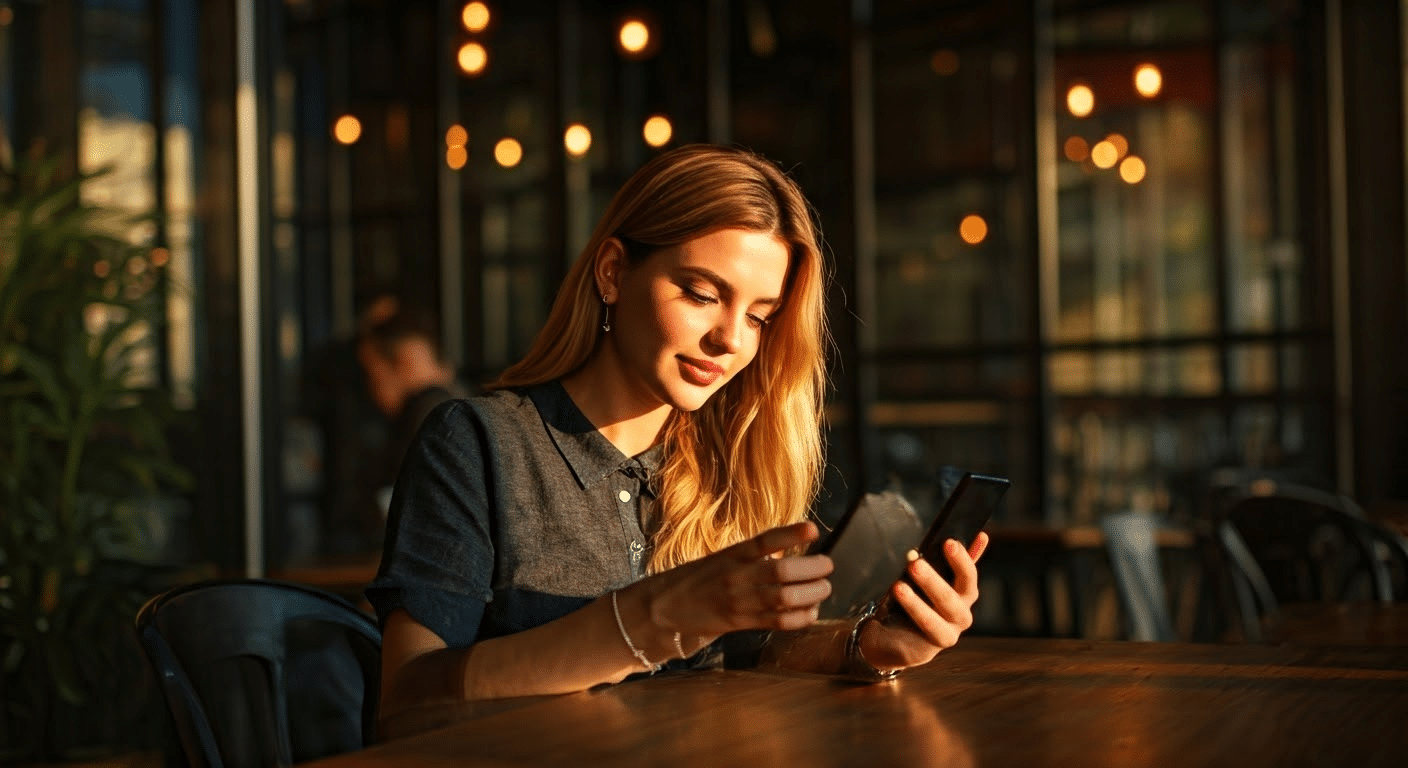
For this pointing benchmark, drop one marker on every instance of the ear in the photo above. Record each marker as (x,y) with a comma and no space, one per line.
(610,262)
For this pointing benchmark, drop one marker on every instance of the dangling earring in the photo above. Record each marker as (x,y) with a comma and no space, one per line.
(606,317)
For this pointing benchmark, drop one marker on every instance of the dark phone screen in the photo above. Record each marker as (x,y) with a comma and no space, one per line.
(968,510)
(869,546)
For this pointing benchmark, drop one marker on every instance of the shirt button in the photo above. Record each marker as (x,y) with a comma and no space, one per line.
(624,496)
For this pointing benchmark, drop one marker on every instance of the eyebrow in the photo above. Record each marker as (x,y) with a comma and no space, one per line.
(725,286)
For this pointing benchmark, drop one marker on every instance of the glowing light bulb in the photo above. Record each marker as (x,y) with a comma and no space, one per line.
(1132,170)
(1080,100)
(973,229)
(347,129)
(1104,155)
(577,139)
(1120,143)
(1148,80)
(508,152)
(657,131)
(473,58)
(456,156)
(475,16)
(634,36)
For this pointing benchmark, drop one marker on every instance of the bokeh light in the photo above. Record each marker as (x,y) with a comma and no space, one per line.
(634,36)
(456,136)
(657,131)
(475,16)
(973,229)
(1132,170)
(508,152)
(1120,143)
(473,58)
(1076,149)
(456,156)
(160,257)
(577,139)
(1148,80)
(1104,155)
(347,129)
(944,62)
(1080,100)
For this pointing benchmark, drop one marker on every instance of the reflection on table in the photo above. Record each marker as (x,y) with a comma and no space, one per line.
(989,702)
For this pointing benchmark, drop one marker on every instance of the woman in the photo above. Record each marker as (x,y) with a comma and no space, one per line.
(637,486)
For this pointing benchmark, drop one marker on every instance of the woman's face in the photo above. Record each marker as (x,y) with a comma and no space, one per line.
(689,317)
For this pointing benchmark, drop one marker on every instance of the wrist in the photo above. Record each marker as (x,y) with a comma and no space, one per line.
(862,660)
(641,626)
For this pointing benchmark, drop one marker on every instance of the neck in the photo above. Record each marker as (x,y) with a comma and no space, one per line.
(626,416)
(421,376)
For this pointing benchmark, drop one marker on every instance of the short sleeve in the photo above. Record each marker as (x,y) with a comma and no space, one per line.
(438,559)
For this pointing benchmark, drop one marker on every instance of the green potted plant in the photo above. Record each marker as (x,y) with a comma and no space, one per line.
(82,443)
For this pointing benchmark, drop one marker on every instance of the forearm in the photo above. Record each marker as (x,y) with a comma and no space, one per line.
(572,653)
(818,649)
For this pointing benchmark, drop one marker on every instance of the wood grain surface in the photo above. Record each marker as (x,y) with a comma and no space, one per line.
(987,702)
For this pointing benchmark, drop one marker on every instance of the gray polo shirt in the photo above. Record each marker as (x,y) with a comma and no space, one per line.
(511,510)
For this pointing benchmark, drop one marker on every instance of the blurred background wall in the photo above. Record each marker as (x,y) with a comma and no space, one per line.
(1107,249)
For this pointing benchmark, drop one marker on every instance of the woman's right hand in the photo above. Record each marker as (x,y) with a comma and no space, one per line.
(749,585)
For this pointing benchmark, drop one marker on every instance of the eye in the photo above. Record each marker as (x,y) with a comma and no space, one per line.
(697,296)
(757,322)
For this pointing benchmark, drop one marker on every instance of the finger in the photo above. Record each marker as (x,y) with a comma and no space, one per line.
(965,572)
(793,597)
(795,619)
(935,628)
(776,540)
(945,599)
(980,545)
(788,570)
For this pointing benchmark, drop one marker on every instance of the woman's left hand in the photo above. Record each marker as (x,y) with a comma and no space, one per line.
(938,616)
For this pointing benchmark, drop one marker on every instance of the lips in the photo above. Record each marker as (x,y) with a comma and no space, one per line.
(700,372)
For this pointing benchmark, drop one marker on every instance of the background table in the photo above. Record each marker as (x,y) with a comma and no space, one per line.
(989,702)
(1357,623)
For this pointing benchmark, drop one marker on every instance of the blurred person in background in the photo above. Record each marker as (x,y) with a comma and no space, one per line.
(406,377)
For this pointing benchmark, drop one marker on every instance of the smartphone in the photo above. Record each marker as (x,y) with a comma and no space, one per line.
(870,543)
(964,514)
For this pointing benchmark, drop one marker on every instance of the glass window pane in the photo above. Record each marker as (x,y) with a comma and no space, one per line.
(1136,197)
(1187,372)
(1263,259)
(116,132)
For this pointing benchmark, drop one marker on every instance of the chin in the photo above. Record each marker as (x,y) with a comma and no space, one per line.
(687,397)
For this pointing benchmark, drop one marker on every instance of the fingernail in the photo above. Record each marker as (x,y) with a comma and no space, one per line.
(912,555)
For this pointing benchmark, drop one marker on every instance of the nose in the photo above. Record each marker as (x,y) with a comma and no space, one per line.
(727,334)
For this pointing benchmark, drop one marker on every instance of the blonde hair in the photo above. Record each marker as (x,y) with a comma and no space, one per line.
(751,458)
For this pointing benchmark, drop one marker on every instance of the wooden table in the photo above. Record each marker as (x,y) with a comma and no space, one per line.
(988,702)
(1339,624)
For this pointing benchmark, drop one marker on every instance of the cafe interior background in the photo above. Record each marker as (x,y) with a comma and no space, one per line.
(1118,252)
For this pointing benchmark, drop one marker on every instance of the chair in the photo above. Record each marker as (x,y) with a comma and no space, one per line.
(1286,543)
(1391,551)
(260,672)
(1134,560)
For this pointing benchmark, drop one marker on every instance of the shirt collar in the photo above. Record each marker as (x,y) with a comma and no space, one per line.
(587,452)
